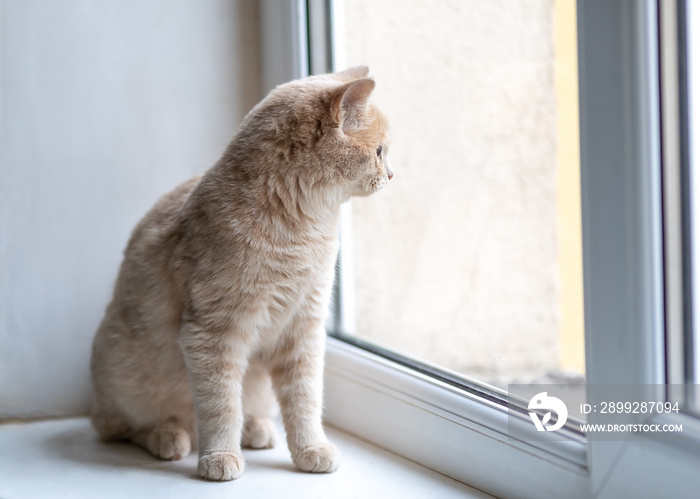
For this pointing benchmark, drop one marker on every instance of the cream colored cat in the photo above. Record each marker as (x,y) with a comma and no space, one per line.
(222,296)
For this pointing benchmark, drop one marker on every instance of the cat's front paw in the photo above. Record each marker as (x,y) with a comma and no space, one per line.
(221,466)
(322,458)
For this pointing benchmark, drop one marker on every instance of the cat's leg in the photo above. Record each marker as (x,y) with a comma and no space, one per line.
(150,406)
(170,439)
(298,380)
(216,365)
(259,406)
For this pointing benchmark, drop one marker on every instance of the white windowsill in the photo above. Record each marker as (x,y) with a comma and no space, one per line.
(63,458)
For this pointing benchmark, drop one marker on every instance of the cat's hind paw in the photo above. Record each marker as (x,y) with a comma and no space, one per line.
(170,442)
(259,433)
(221,466)
(322,458)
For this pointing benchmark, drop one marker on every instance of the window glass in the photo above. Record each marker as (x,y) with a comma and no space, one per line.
(471,257)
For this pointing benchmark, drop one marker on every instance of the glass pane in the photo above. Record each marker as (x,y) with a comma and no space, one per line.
(471,257)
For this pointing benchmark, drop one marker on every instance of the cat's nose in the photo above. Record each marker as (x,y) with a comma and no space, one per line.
(390,174)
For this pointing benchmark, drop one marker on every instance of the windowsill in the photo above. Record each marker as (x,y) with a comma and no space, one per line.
(64,458)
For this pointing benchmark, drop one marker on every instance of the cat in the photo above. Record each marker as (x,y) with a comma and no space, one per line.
(218,312)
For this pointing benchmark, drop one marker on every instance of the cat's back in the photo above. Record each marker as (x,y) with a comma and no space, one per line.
(145,275)
(162,221)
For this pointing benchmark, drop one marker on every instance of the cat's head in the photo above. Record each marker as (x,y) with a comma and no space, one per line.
(324,131)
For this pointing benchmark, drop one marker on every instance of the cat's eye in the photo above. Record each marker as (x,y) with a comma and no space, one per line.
(379,151)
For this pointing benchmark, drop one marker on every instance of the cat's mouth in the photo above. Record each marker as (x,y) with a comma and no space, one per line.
(377,184)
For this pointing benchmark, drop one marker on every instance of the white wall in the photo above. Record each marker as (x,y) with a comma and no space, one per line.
(105,105)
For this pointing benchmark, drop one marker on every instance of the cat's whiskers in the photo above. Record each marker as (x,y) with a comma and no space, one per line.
(384,215)
(378,204)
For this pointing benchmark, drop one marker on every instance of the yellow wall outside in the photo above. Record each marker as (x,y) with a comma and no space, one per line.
(568,187)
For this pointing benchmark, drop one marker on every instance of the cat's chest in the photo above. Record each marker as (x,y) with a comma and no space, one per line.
(289,281)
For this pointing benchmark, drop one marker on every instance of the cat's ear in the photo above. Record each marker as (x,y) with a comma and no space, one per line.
(351,74)
(350,102)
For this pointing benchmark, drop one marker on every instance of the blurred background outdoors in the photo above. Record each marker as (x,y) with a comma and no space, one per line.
(471,258)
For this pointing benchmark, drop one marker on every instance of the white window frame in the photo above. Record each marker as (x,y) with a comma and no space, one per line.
(463,434)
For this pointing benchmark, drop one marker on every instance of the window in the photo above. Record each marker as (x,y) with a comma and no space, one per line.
(626,63)
(471,260)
